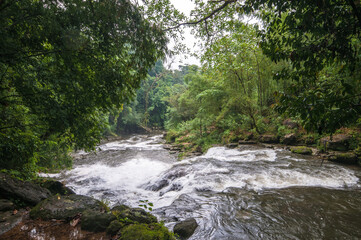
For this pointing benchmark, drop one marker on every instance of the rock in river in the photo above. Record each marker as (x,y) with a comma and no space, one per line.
(64,207)
(186,228)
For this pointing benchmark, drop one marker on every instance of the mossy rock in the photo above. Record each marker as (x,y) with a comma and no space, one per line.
(95,221)
(345,158)
(64,207)
(153,231)
(138,215)
(302,150)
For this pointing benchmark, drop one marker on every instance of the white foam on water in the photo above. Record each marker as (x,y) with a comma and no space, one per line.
(133,143)
(127,176)
(234,155)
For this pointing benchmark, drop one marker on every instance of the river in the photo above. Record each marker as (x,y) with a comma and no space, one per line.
(250,192)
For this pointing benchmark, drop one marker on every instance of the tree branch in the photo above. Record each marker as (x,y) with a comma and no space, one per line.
(215,11)
(356,11)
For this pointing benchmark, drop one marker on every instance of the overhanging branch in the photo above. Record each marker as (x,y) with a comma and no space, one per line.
(215,11)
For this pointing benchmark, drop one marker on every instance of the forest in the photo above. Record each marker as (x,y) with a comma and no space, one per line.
(73,72)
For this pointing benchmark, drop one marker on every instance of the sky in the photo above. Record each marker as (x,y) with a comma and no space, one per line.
(185,6)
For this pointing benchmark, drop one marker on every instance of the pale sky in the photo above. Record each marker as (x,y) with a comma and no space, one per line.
(185,6)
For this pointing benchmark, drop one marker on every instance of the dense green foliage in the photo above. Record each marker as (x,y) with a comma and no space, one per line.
(69,71)
(63,66)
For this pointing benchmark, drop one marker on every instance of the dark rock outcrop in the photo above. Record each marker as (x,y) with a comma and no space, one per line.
(268,138)
(95,221)
(64,207)
(344,158)
(56,187)
(339,142)
(6,205)
(186,228)
(289,139)
(27,192)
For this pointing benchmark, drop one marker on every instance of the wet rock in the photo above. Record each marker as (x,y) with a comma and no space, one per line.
(339,142)
(28,192)
(302,150)
(186,228)
(232,145)
(9,220)
(289,139)
(344,158)
(290,124)
(134,214)
(56,187)
(64,207)
(269,138)
(158,185)
(95,221)
(6,205)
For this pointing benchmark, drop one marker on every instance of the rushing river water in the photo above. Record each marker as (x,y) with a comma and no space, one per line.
(250,192)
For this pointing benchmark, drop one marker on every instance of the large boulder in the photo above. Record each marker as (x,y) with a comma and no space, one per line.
(64,207)
(338,142)
(186,228)
(28,192)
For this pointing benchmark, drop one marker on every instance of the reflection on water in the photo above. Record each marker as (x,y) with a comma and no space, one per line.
(246,193)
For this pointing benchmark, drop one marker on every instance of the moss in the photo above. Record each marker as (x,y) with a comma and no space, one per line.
(114,227)
(153,231)
(345,158)
(302,150)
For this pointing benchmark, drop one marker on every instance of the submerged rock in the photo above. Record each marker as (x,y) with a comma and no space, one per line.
(28,192)
(64,207)
(186,228)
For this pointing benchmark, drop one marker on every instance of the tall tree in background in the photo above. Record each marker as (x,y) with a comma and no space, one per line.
(64,63)
(320,39)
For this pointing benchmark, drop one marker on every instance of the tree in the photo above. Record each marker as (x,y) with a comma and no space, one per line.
(65,63)
(315,36)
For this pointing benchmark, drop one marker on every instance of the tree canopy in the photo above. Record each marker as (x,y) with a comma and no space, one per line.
(64,63)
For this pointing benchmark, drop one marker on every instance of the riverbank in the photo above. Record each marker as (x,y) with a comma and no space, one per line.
(47,209)
(343,147)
